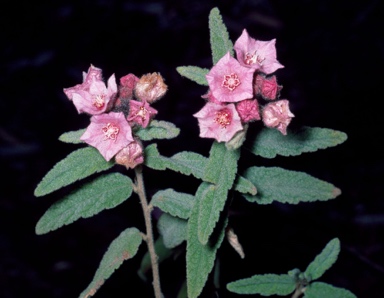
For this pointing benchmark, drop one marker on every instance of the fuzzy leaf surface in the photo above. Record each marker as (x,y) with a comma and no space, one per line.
(285,186)
(77,165)
(175,203)
(324,260)
(173,230)
(219,37)
(244,186)
(270,142)
(158,130)
(105,192)
(124,247)
(321,290)
(200,258)
(194,73)
(72,136)
(266,285)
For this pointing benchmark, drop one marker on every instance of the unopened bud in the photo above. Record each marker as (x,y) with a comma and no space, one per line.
(150,87)
(277,115)
(127,85)
(248,110)
(130,156)
(267,87)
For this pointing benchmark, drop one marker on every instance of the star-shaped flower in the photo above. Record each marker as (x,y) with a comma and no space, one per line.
(259,55)
(140,112)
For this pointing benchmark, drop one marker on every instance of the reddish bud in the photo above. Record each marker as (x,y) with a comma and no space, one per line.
(248,110)
(267,87)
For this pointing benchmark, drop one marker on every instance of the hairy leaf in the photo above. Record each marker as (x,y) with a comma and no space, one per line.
(158,130)
(105,192)
(244,186)
(124,247)
(270,142)
(175,203)
(200,258)
(266,285)
(219,37)
(321,290)
(173,230)
(324,260)
(77,165)
(194,73)
(276,184)
(72,136)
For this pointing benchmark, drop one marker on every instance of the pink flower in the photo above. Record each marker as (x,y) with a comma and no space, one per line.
(218,121)
(140,112)
(267,87)
(209,96)
(277,115)
(248,110)
(229,81)
(259,55)
(130,156)
(127,85)
(108,133)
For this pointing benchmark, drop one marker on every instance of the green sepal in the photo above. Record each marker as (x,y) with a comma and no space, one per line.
(200,258)
(104,192)
(219,37)
(77,165)
(324,260)
(124,247)
(175,203)
(270,142)
(194,73)
(285,186)
(321,290)
(266,285)
(72,137)
(158,130)
(173,229)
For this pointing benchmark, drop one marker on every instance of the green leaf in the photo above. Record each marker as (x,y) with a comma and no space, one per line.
(124,247)
(104,192)
(175,203)
(200,258)
(244,186)
(77,165)
(194,73)
(270,142)
(284,186)
(173,230)
(158,130)
(72,136)
(266,285)
(219,37)
(321,290)
(324,260)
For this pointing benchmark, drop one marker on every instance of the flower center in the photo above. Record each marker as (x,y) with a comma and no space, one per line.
(231,81)
(142,112)
(98,101)
(110,131)
(223,118)
(253,58)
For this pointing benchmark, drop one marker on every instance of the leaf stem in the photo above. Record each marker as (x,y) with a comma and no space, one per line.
(149,236)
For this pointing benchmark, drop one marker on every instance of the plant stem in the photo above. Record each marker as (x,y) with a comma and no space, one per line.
(149,236)
(299,291)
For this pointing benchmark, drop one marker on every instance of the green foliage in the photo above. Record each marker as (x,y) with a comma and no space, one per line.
(321,290)
(219,37)
(158,130)
(173,230)
(194,73)
(324,260)
(244,186)
(270,142)
(173,202)
(124,247)
(200,258)
(72,136)
(77,165)
(266,285)
(284,186)
(104,192)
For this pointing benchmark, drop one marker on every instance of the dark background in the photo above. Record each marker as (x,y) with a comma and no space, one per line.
(333,56)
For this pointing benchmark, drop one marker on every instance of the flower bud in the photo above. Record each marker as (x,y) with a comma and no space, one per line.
(267,87)
(150,87)
(127,85)
(277,115)
(130,156)
(248,110)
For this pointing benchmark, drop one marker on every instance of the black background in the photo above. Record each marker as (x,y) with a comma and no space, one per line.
(333,56)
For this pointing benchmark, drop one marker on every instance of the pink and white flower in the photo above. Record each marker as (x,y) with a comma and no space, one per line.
(229,81)
(140,112)
(259,55)
(220,122)
(277,115)
(108,133)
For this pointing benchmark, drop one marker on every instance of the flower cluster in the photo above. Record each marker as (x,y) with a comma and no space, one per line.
(116,111)
(236,86)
